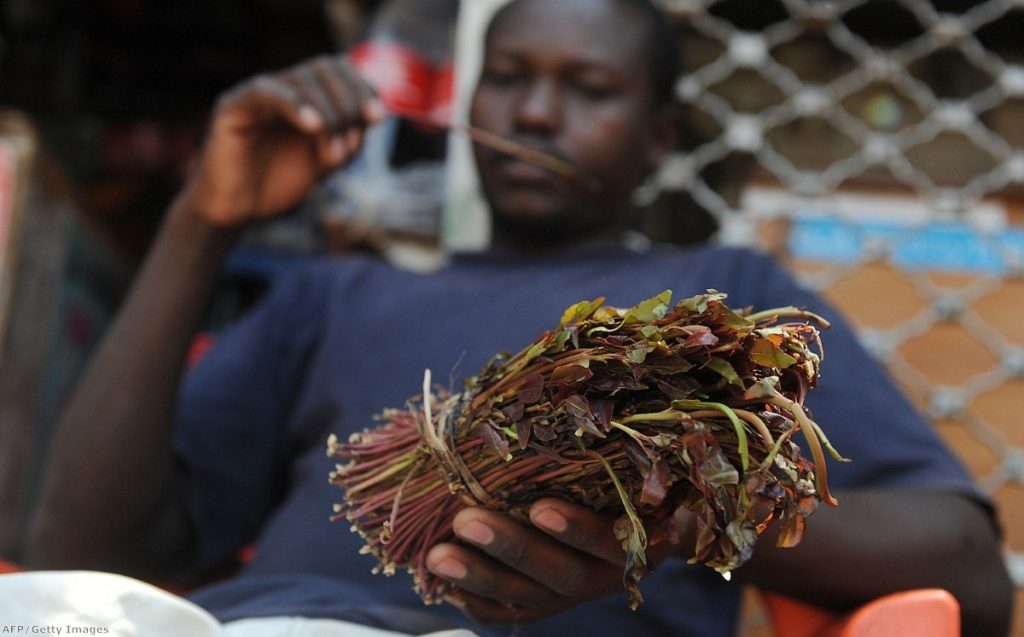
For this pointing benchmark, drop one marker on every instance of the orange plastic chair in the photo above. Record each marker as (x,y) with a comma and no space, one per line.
(8,567)
(929,612)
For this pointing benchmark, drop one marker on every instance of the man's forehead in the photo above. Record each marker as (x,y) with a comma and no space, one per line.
(603,30)
(576,15)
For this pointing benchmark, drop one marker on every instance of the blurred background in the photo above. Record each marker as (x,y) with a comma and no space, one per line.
(877,146)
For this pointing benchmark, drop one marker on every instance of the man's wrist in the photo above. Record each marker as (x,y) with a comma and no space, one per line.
(189,221)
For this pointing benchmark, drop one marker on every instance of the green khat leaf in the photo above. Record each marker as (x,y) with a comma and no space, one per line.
(580,311)
(742,446)
(650,310)
(650,331)
(699,303)
(734,320)
(562,338)
(726,370)
(766,353)
(536,350)
(629,529)
(717,471)
(670,364)
(743,537)
(764,388)
(638,354)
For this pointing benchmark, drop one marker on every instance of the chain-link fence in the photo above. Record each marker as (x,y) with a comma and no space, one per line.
(878,146)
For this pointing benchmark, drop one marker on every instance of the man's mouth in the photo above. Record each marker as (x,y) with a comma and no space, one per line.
(524,158)
(517,171)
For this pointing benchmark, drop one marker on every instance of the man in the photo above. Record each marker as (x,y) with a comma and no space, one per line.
(144,482)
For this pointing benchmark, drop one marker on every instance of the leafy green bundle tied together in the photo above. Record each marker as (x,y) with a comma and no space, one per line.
(636,412)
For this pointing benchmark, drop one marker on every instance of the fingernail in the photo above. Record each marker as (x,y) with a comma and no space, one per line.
(337,148)
(476,532)
(375,111)
(551,520)
(353,139)
(450,569)
(310,117)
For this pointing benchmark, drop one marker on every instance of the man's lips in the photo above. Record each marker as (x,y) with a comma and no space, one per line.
(534,164)
(529,161)
(539,152)
(517,171)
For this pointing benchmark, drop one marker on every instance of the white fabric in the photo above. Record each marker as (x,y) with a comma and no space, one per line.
(302,627)
(466,220)
(92,603)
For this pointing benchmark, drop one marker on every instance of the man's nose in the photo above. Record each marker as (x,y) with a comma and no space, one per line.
(540,107)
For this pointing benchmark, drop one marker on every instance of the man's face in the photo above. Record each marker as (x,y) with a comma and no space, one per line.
(570,78)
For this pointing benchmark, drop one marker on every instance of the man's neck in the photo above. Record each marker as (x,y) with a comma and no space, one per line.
(611,242)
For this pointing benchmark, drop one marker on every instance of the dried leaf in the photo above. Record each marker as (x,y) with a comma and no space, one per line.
(513,411)
(544,433)
(531,389)
(791,532)
(577,408)
(572,374)
(523,431)
(656,484)
(700,336)
(496,442)
(602,410)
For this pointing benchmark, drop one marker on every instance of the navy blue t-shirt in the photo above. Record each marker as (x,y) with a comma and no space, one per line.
(342,339)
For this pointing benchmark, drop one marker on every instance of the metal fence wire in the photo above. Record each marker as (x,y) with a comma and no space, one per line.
(885,139)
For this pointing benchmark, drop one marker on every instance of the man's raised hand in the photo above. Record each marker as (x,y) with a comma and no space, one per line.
(274,136)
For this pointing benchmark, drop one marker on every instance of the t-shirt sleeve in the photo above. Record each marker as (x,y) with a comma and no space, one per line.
(866,417)
(232,414)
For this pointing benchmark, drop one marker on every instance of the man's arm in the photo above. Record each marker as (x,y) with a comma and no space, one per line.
(887,540)
(106,501)
(108,497)
(874,543)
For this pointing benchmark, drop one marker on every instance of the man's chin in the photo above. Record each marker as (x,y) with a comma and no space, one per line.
(537,218)
(538,226)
